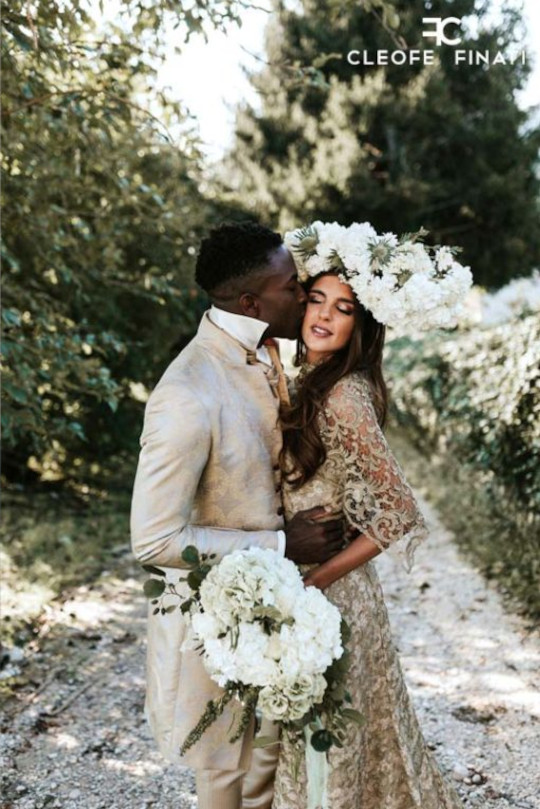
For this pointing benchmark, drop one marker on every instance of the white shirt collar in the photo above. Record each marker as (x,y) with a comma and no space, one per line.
(247,330)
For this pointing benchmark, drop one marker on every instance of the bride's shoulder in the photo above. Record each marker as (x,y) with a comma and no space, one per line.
(351,392)
(351,384)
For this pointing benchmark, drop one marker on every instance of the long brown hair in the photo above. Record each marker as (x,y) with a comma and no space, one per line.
(302,444)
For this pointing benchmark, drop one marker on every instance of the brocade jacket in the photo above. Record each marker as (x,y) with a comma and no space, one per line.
(208,476)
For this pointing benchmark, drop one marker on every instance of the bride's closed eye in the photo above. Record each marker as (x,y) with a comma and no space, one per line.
(343,308)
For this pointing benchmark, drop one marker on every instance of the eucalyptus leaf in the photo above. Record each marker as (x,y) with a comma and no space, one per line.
(153,588)
(321,741)
(195,579)
(190,555)
(354,716)
(154,570)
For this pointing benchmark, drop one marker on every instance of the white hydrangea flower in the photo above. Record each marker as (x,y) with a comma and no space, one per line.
(261,627)
(315,265)
(405,284)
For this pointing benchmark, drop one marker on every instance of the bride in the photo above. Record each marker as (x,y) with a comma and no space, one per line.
(335,454)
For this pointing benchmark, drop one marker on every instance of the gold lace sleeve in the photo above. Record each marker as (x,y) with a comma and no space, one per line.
(378,501)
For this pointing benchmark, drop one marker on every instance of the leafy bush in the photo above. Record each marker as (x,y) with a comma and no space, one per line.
(471,403)
(102,216)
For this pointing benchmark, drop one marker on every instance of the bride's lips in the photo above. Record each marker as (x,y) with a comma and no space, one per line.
(320,331)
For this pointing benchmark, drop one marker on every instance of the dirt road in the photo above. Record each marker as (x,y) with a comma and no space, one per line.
(76,738)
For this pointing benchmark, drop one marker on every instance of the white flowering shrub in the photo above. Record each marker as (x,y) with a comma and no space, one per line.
(519,298)
(471,403)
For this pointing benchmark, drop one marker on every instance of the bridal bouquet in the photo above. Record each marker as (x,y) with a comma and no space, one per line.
(404,283)
(267,640)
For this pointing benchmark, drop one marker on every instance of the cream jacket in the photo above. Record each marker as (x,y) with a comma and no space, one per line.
(208,476)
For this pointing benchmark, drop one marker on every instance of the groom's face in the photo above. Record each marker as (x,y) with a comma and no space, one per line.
(281,298)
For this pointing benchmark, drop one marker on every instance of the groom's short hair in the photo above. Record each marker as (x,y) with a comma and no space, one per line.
(234,250)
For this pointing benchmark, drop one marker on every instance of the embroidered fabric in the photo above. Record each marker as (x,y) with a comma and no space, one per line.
(385,764)
(377,500)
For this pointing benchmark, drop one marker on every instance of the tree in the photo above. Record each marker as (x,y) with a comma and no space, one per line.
(102,213)
(441,146)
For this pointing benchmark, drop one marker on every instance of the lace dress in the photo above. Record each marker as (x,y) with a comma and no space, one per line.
(385,764)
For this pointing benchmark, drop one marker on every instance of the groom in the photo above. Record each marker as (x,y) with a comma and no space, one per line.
(209,476)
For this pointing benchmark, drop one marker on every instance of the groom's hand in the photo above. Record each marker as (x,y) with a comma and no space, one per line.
(312,537)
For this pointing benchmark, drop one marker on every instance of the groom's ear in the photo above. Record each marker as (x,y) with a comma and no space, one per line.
(249,304)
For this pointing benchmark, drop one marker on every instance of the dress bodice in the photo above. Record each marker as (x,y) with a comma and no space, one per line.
(359,478)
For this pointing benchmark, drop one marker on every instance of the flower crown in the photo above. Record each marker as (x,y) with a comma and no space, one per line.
(404,283)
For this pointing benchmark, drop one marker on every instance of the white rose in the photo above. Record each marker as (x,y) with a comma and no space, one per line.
(273,703)
(307,686)
(299,709)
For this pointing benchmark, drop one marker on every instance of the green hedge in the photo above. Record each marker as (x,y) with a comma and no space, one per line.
(471,403)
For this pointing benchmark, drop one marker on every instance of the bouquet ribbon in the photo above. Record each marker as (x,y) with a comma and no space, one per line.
(317,775)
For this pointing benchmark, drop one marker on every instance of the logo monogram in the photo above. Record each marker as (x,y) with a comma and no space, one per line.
(438,34)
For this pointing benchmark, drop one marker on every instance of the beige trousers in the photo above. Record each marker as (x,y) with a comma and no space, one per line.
(241,789)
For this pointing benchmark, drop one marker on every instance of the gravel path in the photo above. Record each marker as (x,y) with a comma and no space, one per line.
(76,738)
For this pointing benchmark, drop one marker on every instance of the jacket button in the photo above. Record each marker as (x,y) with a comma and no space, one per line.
(278,487)
(275,467)
(280,511)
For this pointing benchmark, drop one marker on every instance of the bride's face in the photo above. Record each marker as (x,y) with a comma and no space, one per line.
(329,320)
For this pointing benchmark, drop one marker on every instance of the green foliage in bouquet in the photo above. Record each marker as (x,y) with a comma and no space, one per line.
(471,404)
(160,591)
